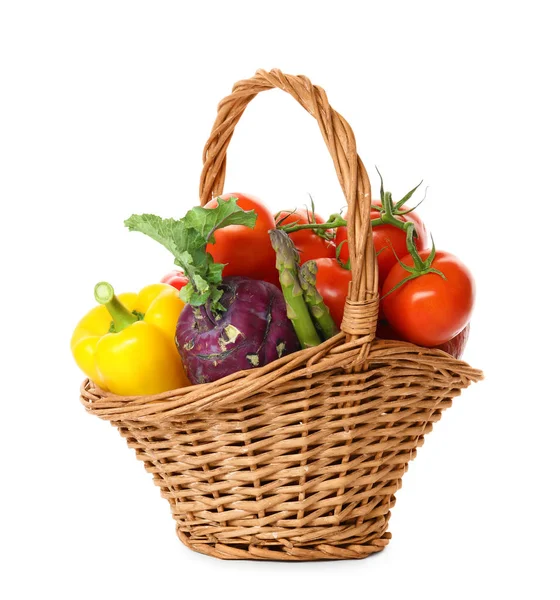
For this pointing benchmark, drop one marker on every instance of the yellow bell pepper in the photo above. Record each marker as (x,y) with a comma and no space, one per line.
(127,345)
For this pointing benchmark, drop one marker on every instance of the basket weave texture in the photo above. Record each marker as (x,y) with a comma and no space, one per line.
(299,459)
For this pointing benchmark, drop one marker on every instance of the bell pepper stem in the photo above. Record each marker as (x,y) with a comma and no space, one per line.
(122,317)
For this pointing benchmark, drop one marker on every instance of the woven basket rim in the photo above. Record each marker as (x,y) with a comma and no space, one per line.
(112,406)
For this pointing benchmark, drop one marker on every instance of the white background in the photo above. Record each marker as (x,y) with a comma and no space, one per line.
(104,110)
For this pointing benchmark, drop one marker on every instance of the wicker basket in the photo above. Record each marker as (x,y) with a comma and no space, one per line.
(299,459)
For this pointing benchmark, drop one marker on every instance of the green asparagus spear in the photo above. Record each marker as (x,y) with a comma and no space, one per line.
(318,309)
(287,263)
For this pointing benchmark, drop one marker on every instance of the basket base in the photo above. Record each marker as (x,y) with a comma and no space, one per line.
(285,553)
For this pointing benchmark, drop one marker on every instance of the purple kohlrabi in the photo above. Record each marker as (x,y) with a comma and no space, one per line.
(253,331)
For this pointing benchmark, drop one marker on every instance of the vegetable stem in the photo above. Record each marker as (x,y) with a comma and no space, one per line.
(287,263)
(411,246)
(333,222)
(122,317)
(319,310)
(421,267)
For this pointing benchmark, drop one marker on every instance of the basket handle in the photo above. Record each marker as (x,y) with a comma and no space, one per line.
(361,309)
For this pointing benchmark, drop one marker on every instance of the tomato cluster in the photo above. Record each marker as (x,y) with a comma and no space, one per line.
(432,309)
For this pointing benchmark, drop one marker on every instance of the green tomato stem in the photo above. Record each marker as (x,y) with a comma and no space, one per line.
(421,267)
(411,246)
(333,222)
(387,217)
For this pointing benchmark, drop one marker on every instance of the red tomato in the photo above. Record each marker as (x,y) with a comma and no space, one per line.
(387,238)
(430,310)
(245,251)
(332,284)
(309,244)
(176,278)
(455,346)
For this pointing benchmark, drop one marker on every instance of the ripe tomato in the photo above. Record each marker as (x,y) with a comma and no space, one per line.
(245,251)
(309,244)
(430,310)
(455,346)
(176,278)
(332,284)
(387,238)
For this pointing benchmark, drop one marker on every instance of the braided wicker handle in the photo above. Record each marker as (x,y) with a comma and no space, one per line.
(361,309)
